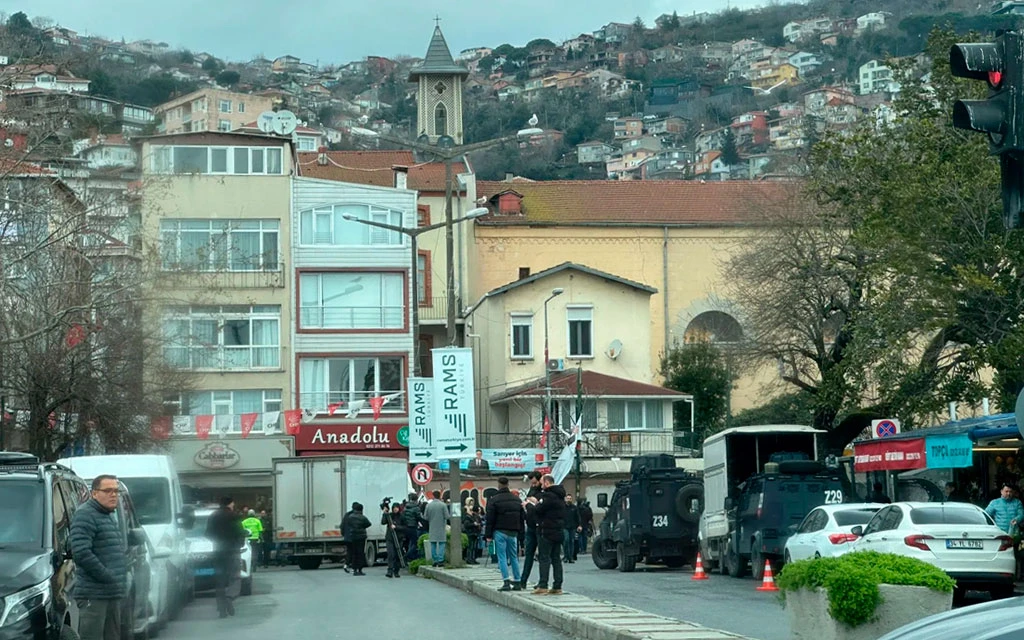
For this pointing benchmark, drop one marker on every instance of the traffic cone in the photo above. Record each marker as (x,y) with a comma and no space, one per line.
(768,584)
(698,572)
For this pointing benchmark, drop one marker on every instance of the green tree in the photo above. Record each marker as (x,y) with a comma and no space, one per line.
(212,66)
(540,43)
(19,25)
(789,408)
(702,370)
(730,153)
(228,78)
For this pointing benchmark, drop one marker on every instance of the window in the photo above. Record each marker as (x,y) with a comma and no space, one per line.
(581,332)
(423,277)
(241,107)
(226,337)
(324,381)
(423,215)
(352,300)
(327,226)
(440,120)
(635,414)
(217,160)
(522,336)
(220,245)
(224,125)
(306,143)
(225,403)
(225,106)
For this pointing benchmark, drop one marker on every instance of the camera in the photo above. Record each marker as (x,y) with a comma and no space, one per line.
(385,504)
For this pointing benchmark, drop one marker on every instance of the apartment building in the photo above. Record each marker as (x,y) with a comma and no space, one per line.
(210,109)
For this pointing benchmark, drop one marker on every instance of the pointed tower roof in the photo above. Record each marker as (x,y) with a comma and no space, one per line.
(438,60)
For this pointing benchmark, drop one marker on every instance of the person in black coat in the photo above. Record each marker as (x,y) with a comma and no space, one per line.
(586,526)
(505,519)
(394,534)
(550,514)
(101,565)
(225,530)
(353,529)
(530,538)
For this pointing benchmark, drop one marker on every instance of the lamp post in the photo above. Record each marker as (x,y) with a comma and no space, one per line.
(547,367)
(414,275)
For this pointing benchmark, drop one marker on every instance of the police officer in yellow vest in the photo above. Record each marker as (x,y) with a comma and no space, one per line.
(254,526)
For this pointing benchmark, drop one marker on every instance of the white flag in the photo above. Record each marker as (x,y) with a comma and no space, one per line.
(222,424)
(354,409)
(568,456)
(270,420)
(182,425)
(308,415)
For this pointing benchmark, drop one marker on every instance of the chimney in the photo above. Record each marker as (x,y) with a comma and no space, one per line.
(321,158)
(401,176)
(509,176)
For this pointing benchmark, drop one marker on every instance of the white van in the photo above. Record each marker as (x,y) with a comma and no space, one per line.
(152,482)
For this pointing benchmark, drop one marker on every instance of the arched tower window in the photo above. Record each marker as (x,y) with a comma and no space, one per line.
(440,120)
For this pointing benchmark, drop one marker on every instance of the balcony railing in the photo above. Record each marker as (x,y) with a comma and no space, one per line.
(597,444)
(435,309)
(347,317)
(322,401)
(223,358)
(189,277)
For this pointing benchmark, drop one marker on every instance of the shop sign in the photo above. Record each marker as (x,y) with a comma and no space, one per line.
(217,456)
(889,455)
(351,437)
(949,451)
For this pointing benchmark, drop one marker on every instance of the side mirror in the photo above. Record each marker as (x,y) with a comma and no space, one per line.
(857,531)
(729,504)
(136,537)
(602,500)
(187,517)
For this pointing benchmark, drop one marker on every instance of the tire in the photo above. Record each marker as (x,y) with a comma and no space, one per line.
(684,500)
(246,588)
(757,564)
(786,558)
(674,563)
(370,549)
(1002,591)
(309,563)
(67,633)
(626,561)
(734,563)
(604,558)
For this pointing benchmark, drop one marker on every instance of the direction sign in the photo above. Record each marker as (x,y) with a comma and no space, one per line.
(885,428)
(422,474)
(421,420)
(454,411)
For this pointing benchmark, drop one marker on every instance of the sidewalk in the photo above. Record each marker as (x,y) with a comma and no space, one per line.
(576,615)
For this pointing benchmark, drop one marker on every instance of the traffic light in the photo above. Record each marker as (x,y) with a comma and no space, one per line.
(1001,115)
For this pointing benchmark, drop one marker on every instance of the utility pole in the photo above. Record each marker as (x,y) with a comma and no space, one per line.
(579,434)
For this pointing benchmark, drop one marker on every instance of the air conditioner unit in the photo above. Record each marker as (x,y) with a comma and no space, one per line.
(556,365)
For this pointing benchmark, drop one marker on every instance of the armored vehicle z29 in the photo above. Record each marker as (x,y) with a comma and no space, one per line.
(652,517)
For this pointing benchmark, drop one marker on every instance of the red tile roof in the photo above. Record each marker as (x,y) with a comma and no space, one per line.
(594,384)
(374,168)
(656,202)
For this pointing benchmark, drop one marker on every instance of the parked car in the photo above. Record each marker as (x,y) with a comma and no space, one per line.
(994,620)
(959,538)
(136,614)
(828,530)
(201,556)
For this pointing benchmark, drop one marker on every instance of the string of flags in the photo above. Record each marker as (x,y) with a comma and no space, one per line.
(267,423)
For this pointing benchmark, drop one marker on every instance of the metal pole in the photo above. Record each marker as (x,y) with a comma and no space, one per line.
(414,278)
(3,422)
(547,385)
(455,548)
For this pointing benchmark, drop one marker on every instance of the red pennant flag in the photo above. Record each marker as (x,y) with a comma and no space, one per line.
(292,421)
(333,407)
(75,336)
(544,435)
(203,426)
(160,428)
(376,404)
(248,421)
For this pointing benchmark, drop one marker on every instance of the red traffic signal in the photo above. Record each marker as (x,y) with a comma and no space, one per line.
(1001,65)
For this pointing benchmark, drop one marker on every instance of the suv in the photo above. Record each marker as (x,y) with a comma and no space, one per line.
(653,516)
(769,508)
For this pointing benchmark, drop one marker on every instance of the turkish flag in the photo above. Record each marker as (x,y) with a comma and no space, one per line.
(248,421)
(333,407)
(376,404)
(75,336)
(292,420)
(544,435)
(160,428)
(203,426)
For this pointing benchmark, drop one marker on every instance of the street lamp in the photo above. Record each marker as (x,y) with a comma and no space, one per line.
(547,365)
(414,274)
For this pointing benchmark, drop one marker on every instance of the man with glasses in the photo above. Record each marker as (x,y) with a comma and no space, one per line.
(101,565)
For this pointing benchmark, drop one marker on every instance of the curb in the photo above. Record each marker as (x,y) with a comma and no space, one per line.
(576,615)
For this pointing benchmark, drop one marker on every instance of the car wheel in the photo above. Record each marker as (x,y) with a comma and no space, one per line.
(309,563)
(371,553)
(626,561)
(756,564)
(786,558)
(734,563)
(246,588)
(603,556)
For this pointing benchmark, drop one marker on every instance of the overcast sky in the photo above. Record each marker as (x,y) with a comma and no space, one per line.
(332,31)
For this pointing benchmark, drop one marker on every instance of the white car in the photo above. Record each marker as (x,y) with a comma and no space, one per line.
(828,530)
(959,538)
(201,556)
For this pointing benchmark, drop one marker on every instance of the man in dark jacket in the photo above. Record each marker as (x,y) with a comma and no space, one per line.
(505,519)
(550,513)
(225,529)
(393,535)
(572,526)
(412,518)
(353,529)
(101,566)
(530,539)
(586,524)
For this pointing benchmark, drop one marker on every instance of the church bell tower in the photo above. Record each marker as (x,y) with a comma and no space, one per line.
(439,98)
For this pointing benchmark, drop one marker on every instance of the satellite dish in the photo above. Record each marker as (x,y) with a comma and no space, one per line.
(285,123)
(265,122)
(614,349)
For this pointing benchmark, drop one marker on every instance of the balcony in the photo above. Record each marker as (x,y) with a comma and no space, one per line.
(188,277)
(599,444)
(339,317)
(435,310)
(342,400)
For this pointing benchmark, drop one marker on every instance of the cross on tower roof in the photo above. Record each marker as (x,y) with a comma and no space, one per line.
(437,20)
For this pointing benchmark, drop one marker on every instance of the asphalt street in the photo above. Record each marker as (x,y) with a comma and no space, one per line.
(328,604)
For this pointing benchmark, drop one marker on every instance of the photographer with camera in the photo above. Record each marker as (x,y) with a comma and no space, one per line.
(353,529)
(391,518)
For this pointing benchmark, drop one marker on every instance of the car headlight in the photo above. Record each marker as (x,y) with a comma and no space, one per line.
(18,606)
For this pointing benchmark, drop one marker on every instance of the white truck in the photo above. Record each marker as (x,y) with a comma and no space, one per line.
(312,494)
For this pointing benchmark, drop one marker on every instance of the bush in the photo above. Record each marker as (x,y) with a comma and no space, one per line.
(415,565)
(852,581)
(421,544)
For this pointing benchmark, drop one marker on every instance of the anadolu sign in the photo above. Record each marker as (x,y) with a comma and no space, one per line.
(352,437)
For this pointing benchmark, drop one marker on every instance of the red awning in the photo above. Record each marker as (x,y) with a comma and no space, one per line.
(889,455)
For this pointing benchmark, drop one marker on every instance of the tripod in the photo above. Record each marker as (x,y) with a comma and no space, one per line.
(392,536)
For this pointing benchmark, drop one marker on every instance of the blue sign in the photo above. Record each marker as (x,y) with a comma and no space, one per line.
(500,461)
(949,452)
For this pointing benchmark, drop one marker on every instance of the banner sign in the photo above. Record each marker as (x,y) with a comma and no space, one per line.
(889,455)
(454,411)
(501,461)
(351,437)
(950,451)
(421,420)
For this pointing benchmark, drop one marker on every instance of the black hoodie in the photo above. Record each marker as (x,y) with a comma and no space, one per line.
(550,512)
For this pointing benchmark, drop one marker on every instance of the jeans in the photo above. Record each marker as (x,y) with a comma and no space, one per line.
(99,619)
(531,550)
(568,544)
(437,552)
(507,548)
(549,557)
(581,542)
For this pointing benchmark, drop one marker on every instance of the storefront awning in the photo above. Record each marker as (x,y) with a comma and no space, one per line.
(942,451)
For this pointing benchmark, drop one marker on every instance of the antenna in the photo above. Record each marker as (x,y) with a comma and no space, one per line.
(265,121)
(285,123)
(614,349)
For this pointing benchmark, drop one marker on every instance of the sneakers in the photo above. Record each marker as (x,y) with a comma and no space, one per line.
(555,592)
(506,587)
(540,591)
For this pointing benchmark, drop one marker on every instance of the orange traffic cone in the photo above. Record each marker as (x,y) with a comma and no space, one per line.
(768,584)
(698,572)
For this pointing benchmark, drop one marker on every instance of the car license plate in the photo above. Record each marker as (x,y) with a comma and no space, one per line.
(204,572)
(965,544)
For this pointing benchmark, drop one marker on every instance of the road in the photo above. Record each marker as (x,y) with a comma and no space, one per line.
(328,604)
